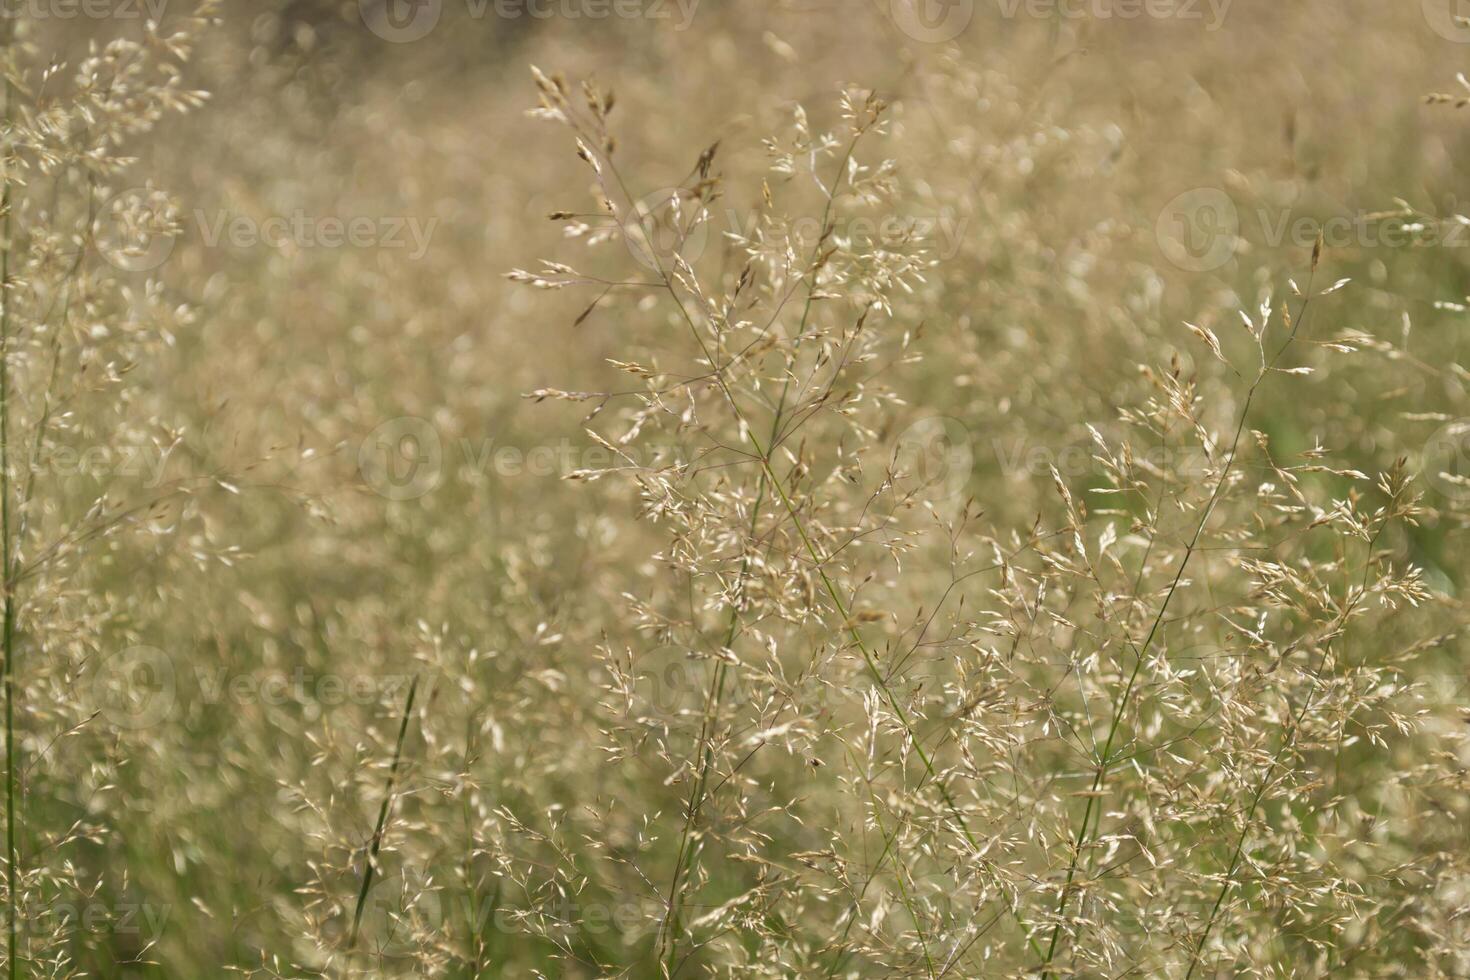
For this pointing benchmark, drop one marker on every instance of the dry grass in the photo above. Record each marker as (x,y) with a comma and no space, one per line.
(803,500)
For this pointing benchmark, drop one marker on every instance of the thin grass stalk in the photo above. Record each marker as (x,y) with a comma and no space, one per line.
(377,843)
(763,456)
(1288,737)
(1121,707)
(894,704)
(6,561)
(898,877)
(717,682)
(946,728)
(667,945)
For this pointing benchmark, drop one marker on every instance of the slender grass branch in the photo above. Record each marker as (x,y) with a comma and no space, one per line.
(1120,707)
(762,453)
(372,856)
(12,858)
(1288,738)
(715,693)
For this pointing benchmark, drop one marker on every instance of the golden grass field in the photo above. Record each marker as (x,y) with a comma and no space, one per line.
(696,488)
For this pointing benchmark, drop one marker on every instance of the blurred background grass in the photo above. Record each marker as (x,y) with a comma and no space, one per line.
(1045,148)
